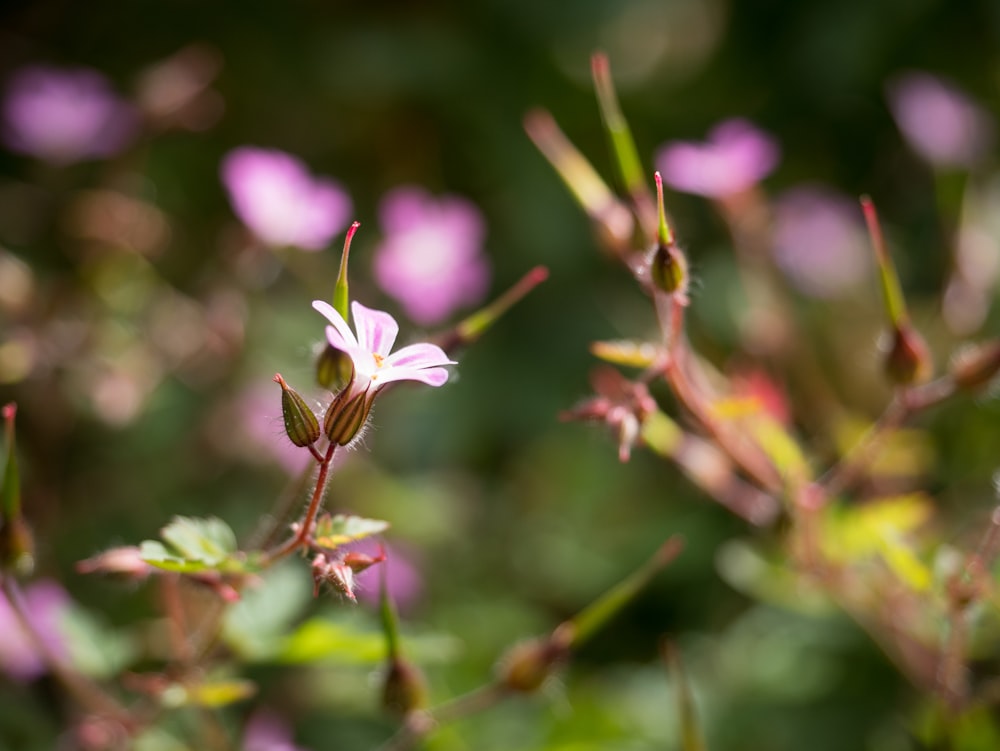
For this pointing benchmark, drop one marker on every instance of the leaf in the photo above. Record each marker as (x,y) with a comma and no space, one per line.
(95,649)
(352,641)
(255,626)
(208,540)
(209,694)
(332,532)
(198,545)
(626,352)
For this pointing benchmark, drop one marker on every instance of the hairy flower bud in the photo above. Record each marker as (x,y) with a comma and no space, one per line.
(334,369)
(668,269)
(526,666)
(301,425)
(405,688)
(908,360)
(976,365)
(345,416)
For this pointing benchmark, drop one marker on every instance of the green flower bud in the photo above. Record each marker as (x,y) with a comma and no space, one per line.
(527,666)
(405,688)
(668,269)
(976,365)
(908,360)
(334,369)
(345,416)
(301,425)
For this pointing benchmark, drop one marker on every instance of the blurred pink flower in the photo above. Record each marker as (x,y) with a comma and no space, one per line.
(266,731)
(431,259)
(277,198)
(262,429)
(65,115)
(940,122)
(45,602)
(819,241)
(735,157)
(403,579)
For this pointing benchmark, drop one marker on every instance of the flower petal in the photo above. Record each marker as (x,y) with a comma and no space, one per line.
(376,329)
(418,356)
(339,324)
(430,376)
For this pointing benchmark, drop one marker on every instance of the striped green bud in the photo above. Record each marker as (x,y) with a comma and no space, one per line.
(301,424)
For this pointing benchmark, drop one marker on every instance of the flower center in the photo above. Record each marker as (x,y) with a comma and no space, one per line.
(379,360)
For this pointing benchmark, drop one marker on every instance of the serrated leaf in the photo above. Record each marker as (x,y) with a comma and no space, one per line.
(156,554)
(332,532)
(208,540)
(626,352)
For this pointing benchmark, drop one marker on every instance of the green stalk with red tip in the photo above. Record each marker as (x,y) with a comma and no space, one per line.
(622,144)
(474,326)
(908,359)
(17,545)
(609,214)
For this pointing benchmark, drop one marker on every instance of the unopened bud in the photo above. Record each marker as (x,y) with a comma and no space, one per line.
(334,369)
(908,360)
(17,546)
(668,269)
(301,425)
(345,416)
(976,365)
(405,688)
(528,665)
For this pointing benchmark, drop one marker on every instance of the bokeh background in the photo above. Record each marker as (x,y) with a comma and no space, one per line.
(140,325)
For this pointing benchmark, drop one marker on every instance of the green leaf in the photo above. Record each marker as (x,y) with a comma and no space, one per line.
(209,694)
(626,352)
(255,626)
(198,545)
(354,641)
(94,649)
(334,531)
(208,540)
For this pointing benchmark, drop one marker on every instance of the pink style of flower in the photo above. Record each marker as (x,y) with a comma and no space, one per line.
(45,603)
(64,116)
(940,123)
(278,200)
(431,259)
(374,366)
(735,157)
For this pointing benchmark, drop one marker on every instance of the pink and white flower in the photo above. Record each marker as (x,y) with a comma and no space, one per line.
(276,197)
(374,366)
(431,259)
(735,157)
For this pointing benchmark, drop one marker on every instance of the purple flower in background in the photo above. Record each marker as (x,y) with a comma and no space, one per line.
(735,157)
(401,575)
(277,198)
(819,241)
(267,732)
(940,123)
(431,259)
(45,602)
(64,116)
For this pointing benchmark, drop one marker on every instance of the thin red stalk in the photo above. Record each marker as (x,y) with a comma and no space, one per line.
(297,540)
